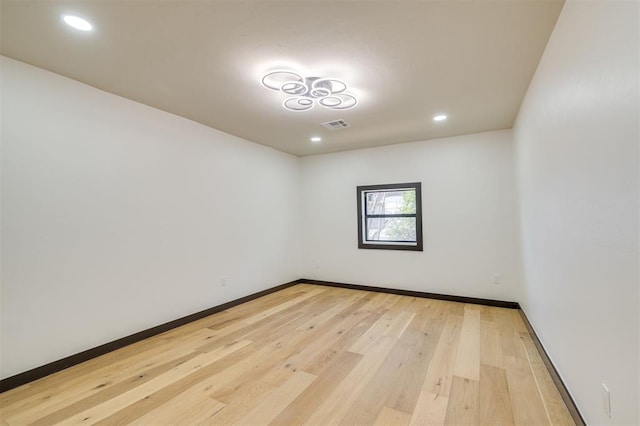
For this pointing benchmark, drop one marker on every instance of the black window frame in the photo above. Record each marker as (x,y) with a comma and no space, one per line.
(363,216)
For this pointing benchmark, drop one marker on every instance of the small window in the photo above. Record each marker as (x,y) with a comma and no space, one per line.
(390,217)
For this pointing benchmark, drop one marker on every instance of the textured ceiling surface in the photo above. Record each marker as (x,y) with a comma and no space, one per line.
(405,61)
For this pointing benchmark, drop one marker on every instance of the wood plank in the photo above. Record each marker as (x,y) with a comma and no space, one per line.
(398,381)
(273,299)
(526,401)
(321,353)
(390,417)
(95,385)
(507,332)
(70,403)
(495,402)
(107,408)
(517,320)
(192,407)
(330,310)
(240,402)
(467,362)
(431,410)
(301,408)
(555,407)
(421,337)
(464,402)
(212,376)
(440,372)
(92,377)
(391,324)
(278,308)
(278,400)
(490,344)
(271,327)
(294,336)
(339,402)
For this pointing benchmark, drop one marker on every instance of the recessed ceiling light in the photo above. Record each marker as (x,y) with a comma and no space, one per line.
(440,117)
(316,139)
(77,23)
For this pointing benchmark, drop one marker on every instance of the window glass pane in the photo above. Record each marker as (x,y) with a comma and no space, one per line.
(391,202)
(391,229)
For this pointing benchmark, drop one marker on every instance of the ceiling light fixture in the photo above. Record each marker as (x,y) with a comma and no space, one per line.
(305,92)
(440,117)
(316,139)
(77,23)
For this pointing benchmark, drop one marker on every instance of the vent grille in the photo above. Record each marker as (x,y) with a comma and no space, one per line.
(336,124)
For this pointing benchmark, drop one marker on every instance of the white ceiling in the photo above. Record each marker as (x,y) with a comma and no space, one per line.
(405,60)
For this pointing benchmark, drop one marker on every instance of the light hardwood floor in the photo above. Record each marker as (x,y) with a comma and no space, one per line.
(314,355)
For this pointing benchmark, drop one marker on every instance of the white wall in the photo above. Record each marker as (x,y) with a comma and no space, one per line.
(117,217)
(577,148)
(469,219)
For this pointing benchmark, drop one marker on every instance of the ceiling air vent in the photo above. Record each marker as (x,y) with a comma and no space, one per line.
(336,125)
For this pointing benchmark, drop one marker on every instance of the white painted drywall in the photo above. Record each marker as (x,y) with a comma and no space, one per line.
(577,149)
(469,219)
(117,217)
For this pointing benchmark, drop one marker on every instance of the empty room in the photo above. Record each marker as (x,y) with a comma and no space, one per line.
(320,212)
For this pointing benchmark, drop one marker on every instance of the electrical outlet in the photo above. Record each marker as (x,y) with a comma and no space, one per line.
(497,279)
(224,281)
(606,400)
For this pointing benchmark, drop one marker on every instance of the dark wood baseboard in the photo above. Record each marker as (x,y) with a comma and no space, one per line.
(447,297)
(562,389)
(61,364)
